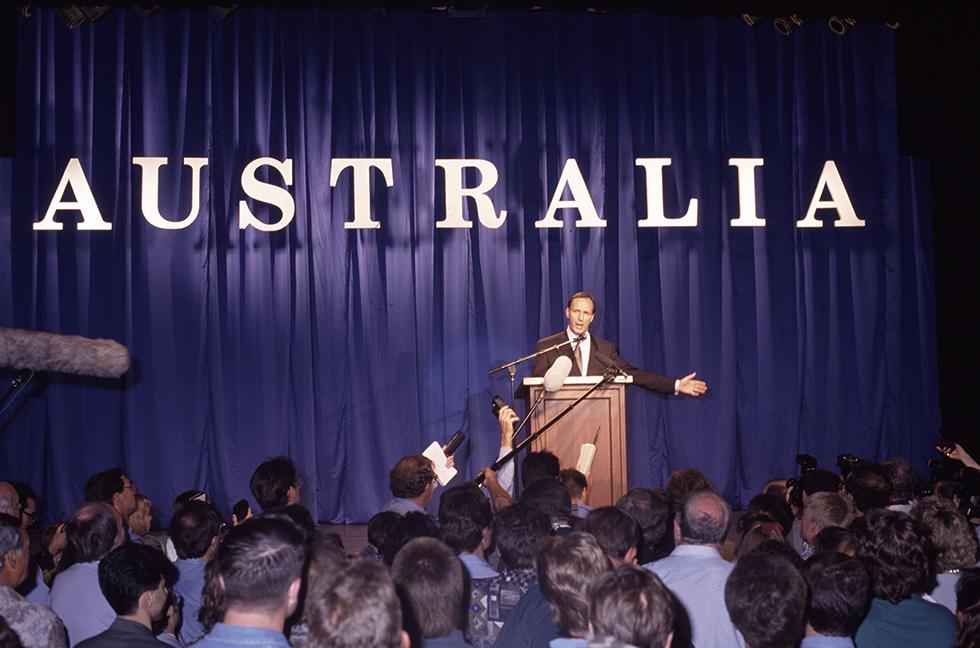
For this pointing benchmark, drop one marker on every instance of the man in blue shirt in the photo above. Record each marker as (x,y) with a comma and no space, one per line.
(766,599)
(194,531)
(839,591)
(260,567)
(429,578)
(464,524)
(412,482)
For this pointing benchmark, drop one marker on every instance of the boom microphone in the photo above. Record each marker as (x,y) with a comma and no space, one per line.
(71,354)
(555,377)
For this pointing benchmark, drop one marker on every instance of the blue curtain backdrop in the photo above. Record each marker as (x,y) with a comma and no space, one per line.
(346,349)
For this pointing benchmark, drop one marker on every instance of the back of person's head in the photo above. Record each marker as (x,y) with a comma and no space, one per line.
(539,465)
(840,591)
(630,604)
(11,538)
(954,541)
(411,476)
(9,501)
(615,531)
(129,571)
(703,518)
(92,531)
(382,528)
(763,508)
(298,515)
(429,579)
(835,539)
(410,526)
(464,514)
(101,486)
(357,609)
(518,531)
(327,557)
(756,536)
(968,608)
(652,512)
(574,482)
(682,483)
(193,495)
(896,552)
(766,600)
(271,482)
(827,509)
(549,497)
(777,547)
(819,481)
(142,517)
(566,567)
(192,529)
(905,483)
(258,561)
(869,487)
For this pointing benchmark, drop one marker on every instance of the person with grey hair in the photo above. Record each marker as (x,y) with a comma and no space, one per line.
(93,531)
(9,501)
(34,624)
(696,573)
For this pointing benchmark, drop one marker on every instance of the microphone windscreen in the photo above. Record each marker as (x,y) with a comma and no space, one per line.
(555,377)
(71,354)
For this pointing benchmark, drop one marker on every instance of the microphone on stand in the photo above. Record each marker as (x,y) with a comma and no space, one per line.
(607,362)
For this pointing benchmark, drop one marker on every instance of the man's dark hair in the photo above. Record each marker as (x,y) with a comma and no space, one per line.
(410,476)
(573,481)
(300,516)
(905,483)
(840,590)
(101,486)
(683,483)
(518,531)
(819,481)
(968,608)
(382,528)
(651,510)
(831,539)
(953,538)
(566,567)
(539,465)
(271,482)
(410,526)
(549,497)
(91,532)
(767,508)
(192,528)
(257,561)
(766,599)
(429,579)
(582,295)
(632,605)
(616,531)
(777,548)
(703,518)
(868,486)
(24,493)
(131,569)
(464,513)
(358,608)
(895,550)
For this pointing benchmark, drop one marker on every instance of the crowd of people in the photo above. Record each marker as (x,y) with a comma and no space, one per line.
(863,558)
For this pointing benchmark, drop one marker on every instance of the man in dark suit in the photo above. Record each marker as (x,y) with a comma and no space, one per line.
(588,354)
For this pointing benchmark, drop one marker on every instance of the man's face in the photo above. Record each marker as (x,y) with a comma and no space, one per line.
(18,559)
(580,315)
(125,500)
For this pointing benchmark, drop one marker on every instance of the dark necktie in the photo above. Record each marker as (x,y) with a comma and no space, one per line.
(578,359)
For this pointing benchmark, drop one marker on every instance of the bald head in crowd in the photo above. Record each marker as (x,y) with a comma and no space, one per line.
(702,519)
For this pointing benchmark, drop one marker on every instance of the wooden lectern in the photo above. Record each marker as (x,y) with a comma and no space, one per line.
(600,418)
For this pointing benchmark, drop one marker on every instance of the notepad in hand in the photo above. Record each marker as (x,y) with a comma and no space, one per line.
(438,458)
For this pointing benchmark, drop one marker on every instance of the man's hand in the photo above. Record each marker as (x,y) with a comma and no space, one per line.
(507,417)
(691,387)
(500,498)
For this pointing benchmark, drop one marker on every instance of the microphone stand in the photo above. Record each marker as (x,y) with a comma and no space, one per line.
(607,378)
(511,367)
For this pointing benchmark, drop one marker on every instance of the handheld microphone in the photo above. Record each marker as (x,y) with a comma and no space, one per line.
(454,443)
(72,354)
